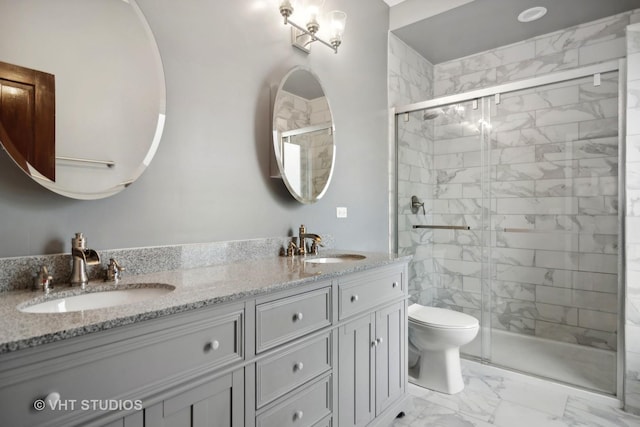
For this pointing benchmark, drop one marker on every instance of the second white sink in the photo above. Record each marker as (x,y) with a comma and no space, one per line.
(336,259)
(99,299)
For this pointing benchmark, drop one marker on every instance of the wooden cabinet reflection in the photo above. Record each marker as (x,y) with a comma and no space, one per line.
(27,118)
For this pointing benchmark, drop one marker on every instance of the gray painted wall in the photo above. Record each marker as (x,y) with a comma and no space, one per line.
(209,180)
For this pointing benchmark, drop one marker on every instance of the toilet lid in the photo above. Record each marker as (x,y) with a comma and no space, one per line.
(440,317)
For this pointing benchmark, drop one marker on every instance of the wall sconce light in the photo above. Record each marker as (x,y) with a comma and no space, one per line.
(311,12)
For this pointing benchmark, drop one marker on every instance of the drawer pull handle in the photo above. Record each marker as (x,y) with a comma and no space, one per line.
(51,400)
(379,340)
(394,285)
(298,316)
(354,298)
(298,415)
(374,343)
(298,366)
(213,345)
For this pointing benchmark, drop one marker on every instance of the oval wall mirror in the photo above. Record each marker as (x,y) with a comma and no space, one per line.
(109,92)
(303,135)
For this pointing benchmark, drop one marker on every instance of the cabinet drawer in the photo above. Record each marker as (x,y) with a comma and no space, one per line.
(291,368)
(285,319)
(152,354)
(305,409)
(367,290)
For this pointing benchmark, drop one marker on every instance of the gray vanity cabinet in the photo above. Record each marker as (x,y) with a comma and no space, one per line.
(175,363)
(327,353)
(390,354)
(294,358)
(356,362)
(219,402)
(371,346)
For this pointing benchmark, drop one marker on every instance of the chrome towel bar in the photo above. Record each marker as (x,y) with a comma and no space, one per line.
(444,227)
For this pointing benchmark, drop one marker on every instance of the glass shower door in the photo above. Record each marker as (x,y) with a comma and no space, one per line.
(442,207)
(509,205)
(554,220)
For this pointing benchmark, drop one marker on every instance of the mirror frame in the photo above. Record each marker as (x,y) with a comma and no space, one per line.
(277,137)
(135,171)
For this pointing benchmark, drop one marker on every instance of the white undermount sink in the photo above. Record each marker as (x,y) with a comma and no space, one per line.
(333,259)
(97,299)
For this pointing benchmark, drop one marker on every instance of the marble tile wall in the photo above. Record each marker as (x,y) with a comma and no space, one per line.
(577,46)
(410,76)
(415,178)
(632,224)
(554,211)
(410,80)
(458,199)
(551,168)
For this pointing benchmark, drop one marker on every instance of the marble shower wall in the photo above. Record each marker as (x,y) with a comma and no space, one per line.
(410,80)
(458,199)
(632,225)
(416,177)
(550,162)
(554,211)
(573,47)
(410,76)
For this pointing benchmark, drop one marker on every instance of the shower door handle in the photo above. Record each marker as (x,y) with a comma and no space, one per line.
(444,227)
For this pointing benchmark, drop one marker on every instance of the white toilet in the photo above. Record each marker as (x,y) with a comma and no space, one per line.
(435,337)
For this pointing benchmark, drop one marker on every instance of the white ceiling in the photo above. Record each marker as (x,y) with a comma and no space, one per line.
(441,30)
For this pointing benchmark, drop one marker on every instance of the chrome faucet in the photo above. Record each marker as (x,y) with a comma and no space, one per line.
(302,236)
(81,257)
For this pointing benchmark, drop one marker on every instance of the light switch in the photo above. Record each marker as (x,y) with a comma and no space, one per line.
(341,212)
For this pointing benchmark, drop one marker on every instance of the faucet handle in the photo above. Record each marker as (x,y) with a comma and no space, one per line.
(314,246)
(43,280)
(114,271)
(292,247)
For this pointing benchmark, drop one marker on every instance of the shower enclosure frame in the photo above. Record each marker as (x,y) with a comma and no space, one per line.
(618,65)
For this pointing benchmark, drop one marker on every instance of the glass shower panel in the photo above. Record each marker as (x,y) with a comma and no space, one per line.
(441,206)
(554,219)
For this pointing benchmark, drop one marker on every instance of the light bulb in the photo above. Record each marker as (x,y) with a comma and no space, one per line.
(337,23)
(286,8)
(312,9)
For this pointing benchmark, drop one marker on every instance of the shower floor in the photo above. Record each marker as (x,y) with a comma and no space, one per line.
(582,366)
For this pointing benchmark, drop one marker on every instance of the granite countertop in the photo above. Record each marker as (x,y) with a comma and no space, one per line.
(194,288)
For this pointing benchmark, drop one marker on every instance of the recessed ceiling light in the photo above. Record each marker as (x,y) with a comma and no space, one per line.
(532,14)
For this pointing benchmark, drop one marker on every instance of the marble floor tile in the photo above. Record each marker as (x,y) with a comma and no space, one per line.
(481,406)
(584,413)
(496,397)
(511,414)
(426,413)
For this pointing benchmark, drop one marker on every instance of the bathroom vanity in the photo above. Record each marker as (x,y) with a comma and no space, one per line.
(271,342)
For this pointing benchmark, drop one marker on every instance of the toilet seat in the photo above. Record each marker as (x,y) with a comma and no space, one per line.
(435,317)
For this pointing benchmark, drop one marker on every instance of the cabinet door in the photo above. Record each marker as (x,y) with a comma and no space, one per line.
(356,404)
(390,355)
(218,403)
(133,420)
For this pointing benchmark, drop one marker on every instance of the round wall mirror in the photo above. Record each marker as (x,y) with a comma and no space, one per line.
(303,135)
(106,83)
